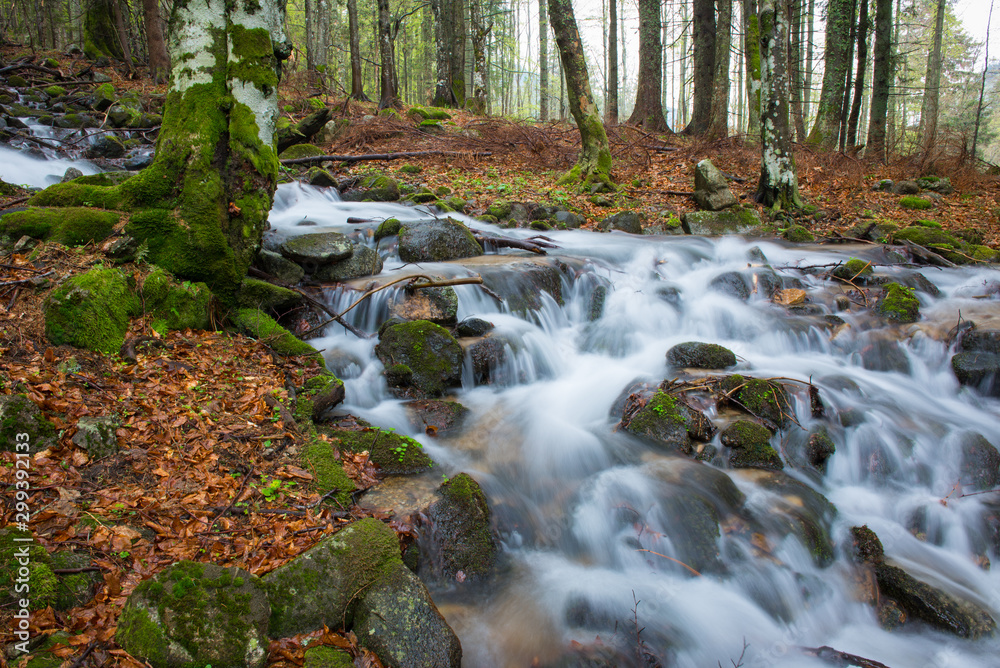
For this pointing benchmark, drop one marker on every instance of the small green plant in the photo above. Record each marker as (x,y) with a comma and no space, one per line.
(160,327)
(142,253)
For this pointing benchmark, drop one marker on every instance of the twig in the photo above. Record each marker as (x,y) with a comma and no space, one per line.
(676,561)
(80,659)
(15,201)
(73,571)
(839,658)
(25,280)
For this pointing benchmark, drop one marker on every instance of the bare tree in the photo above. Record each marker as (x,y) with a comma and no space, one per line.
(932,85)
(704,66)
(159,61)
(882,74)
(611,113)
(648,110)
(718,126)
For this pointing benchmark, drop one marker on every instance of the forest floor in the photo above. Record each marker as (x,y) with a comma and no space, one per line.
(200,447)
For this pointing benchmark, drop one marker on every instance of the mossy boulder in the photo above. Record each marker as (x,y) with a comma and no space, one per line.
(322,586)
(940,185)
(397,619)
(898,303)
(96,435)
(179,305)
(437,305)
(750,444)
(697,355)
(20,415)
(799,234)
(460,540)
(107,146)
(317,249)
(192,615)
(393,453)
(711,190)
(318,458)
(978,369)
(915,203)
(254,322)
(280,268)
(853,269)
(374,188)
(715,223)
(436,241)
(932,605)
(103,97)
(387,228)
(25,571)
(666,421)
(624,221)
(422,113)
(431,353)
(298,151)
(364,261)
(324,656)
(255,293)
(74,589)
(70,226)
(91,310)
(764,399)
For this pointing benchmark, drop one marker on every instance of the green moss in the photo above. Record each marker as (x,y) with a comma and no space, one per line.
(898,303)
(301,151)
(928,223)
(751,446)
(328,473)
(799,234)
(255,293)
(180,305)
(500,209)
(55,91)
(429,350)
(91,310)
(392,453)
(762,398)
(253,52)
(915,203)
(428,113)
(387,228)
(411,169)
(71,226)
(75,589)
(259,325)
(36,583)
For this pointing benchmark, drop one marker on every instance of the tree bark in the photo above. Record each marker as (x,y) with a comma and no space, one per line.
(354,36)
(480,32)
(826,128)
(388,81)
(795,67)
(859,78)
(159,61)
(718,126)
(648,111)
(752,59)
(100,35)
(592,171)
(846,105)
(881,78)
(122,33)
(202,206)
(778,187)
(611,113)
(982,84)
(704,66)
(932,86)
(543,62)
(457,52)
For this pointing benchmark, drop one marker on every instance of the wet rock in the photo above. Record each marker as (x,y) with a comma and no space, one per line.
(20,415)
(106,146)
(436,241)
(343,364)
(317,249)
(939,185)
(819,448)
(474,327)
(917,281)
(937,608)
(866,546)
(711,190)
(898,304)
(460,541)
(696,355)
(854,270)
(666,421)
(437,418)
(437,305)
(979,370)
(751,446)
(764,399)
(431,353)
(980,462)
(885,355)
(138,161)
(520,284)
(981,340)
(283,269)
(374,188)
(387,228)
(905,187)
(717,223)
(70,174)
(321,178)
(364,261)
(596,307)
(97,436)
(625,221)
(731,283)
(326,392)
(487,355)
(569,220)
(800,511)
(197,614)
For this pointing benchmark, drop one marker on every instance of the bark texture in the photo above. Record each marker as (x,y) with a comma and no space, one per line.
(718,126)
(480,83)
(648,110)
(612,45)
(826,128)
(751,57)
(882,74)
(354,36)
(159,61)
(388,81)
(543,62)
(859,78)
(704,66)
(932,86)
(592,171)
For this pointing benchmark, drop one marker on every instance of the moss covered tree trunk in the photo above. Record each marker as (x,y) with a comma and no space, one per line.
(826,129)
(592,170)
(718,127)
(778,187)
(751,55)
(648,110)
(881,78)
(100,34)
(201,207)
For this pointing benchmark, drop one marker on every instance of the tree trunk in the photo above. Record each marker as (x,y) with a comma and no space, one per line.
(881,78)
(479,81)
(718,126)
(354,35)
(859,78)
(704,66)
(932,86)
(807,87)
(682,98)
(457,52)
(122,34)
(202,206)
(826,128)
(611,113)
(100,35)
(592,171)
(543,62)
(159,61)
(982,84)
(648,111)
(388,81)
(795,67)
(751,57)
(778,187)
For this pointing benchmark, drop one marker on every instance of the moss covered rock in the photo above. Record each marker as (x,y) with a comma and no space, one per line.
(624,221)
(978,369)
(422,113)
(254,322)
(915,203)
(697,355)
(96,435)
(388,228)
(799,234)
(364,261)
(764,399)
(317,249)
(301,151)
(179,305)
(74,589)
(192,615)
(20,415)
(751,446)
(280,268)
(436,241)
(255,293)
(819,448)
(898,303)
(393,453)
(432,354)
(91,310)
(25,571)
(71,226)
(460,540)
(374,188)
(715,223)
(853,269)
(319,458)
(666,421)
(325,656)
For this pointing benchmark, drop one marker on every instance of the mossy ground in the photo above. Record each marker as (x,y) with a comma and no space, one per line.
(391,452)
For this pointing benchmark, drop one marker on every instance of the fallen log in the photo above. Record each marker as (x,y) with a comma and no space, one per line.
(382,156)
(535,246)
(838,658)
(304,130)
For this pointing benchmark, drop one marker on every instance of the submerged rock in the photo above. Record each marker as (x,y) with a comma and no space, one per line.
(460,542)
(751,446)
(437,418)
(979,370)
(428,351)
(697,355)
(436,241)
(731,283)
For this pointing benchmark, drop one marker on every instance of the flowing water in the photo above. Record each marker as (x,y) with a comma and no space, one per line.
(592,520)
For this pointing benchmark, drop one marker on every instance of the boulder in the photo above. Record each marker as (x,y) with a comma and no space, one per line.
(897,303)
(97,436)
(364,261)
(932,605)
(711,190)
(106,146)
(460,541)
(279,267)
(942,186)
(374,188)
(91,310)
(979,370)
(197,614)
(697,355)
(819,448)
(905,187)
(751,446)
(625,221)
(317,249)
(666,421)
(437,418)
(487,355)
(569,220)
(437,305)
(474,327)
(717,223)
(731,283)
(392,453)
(981,340)
(436,241)
(255,293)
(429,351)
(178,305)
(521,284)
(766,400)
(387,228)
(980,464)
(20,415)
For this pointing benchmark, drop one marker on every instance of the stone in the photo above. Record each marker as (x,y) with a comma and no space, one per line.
(460,541)
(697,355)
(74,589)
(731,283)
(317,249)
(941,186)
(666,421)
(106,146)
(980,464)
(751,446)
(766,400)
(364,261)
(70,174)
(569,220)
(474,327)
(430,352)
(624,221)
(819,448)
(179,305)
(885,355)
(897,303)
(437,305)
(138,161)
(717,223)
(932,605)
(711,190)
(20,415)
(435,417)
(97,436)
(981,340)
(521,284)
(905,187)
(321,178)
(197,614)
(436,241)
(281,268)
(255,293)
